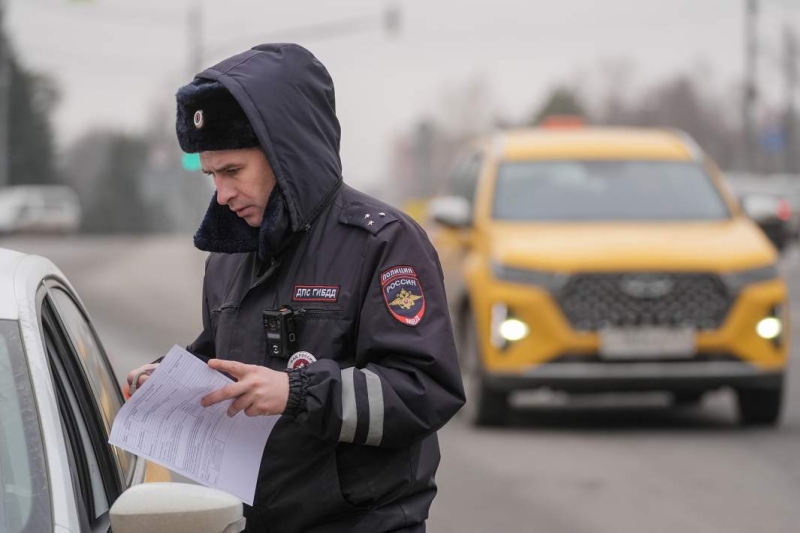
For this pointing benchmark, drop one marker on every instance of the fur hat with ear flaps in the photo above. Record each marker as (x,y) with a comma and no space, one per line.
(280,98)
(209,118)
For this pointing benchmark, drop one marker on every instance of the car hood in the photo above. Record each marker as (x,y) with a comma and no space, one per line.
(729,245)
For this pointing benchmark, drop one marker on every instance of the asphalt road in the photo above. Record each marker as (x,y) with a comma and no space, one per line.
(607,465)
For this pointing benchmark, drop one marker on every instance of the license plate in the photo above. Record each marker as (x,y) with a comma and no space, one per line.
(652,343)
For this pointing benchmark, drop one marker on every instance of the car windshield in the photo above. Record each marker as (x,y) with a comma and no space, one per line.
(606,191)
(25,501)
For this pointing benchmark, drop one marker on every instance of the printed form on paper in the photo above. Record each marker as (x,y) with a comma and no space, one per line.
(164,422)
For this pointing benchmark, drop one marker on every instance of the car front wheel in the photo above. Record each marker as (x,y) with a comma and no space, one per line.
(687,399)
(759,406)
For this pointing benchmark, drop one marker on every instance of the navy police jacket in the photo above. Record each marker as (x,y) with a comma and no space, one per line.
(356,449)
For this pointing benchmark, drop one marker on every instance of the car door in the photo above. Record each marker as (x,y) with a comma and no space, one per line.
(452,244)
(95,481)
(96,368)
(89,399)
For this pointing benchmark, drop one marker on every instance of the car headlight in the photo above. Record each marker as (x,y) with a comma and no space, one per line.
(552,281)
(505,328)
(736,281)
(512,329)
(769,328)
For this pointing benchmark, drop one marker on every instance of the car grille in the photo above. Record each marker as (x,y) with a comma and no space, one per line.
(595,301)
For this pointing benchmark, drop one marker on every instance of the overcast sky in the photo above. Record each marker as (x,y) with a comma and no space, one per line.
(116,60)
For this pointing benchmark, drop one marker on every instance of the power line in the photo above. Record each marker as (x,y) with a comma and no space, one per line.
(305,34)
(194,28)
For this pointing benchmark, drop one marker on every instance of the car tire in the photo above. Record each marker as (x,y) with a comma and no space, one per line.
(485,406)
(759,406)
(687,399)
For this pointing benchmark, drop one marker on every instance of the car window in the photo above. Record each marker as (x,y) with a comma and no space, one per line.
(95,366)
(623,190)
(25,498)
(464,180)
(84,464)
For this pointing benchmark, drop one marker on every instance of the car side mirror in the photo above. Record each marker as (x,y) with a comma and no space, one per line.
(765,210)
(176,508)
(451,211)
(760,208)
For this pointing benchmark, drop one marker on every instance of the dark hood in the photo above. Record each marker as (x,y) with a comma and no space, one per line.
(288,97)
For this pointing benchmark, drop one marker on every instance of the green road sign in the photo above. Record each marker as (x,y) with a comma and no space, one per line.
(191,162)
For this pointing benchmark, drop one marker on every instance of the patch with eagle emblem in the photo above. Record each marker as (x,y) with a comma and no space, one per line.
(403,294)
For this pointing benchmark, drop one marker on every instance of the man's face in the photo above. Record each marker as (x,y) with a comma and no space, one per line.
(244,181)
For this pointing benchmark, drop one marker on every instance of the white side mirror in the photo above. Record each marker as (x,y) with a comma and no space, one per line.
(451,211)
(176,508)
(760,207)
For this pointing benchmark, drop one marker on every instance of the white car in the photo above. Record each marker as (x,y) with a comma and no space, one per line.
(39,209)
(58,400)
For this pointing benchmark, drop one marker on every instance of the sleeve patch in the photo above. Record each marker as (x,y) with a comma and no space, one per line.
(403,294)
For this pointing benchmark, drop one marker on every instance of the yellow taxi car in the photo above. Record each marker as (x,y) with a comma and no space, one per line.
(606,259)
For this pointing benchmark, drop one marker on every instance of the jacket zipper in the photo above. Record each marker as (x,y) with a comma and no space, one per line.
(266,275)
(321,207)
(312,313)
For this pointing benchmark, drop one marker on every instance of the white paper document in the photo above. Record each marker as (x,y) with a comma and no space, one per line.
(164,422)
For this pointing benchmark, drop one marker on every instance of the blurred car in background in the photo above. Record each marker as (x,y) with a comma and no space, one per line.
(605,260)
(773,215)
(39,209)
(58,400)
(775,200)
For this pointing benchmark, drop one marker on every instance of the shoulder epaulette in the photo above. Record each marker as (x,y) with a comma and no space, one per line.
(369,218)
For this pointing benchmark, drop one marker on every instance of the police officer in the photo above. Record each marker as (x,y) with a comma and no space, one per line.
(326,305)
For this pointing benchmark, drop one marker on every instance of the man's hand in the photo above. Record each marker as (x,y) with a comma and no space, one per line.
(258,391)
(143,372)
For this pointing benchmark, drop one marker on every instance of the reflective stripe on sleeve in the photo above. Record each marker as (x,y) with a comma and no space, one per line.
(375,395)
(349,413)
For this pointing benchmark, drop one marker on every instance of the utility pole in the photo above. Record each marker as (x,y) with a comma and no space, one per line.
(392,20)
(5,99)
(750,87)
(194,34)
(790,53)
